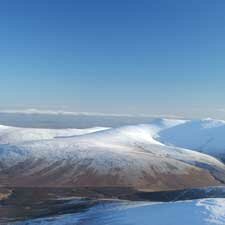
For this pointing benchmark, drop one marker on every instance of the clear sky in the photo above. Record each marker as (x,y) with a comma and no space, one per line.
(113,56)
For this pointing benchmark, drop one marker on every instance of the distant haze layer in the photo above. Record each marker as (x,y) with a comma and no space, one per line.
(61,120)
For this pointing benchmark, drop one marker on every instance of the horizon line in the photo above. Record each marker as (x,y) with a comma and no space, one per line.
(31,111)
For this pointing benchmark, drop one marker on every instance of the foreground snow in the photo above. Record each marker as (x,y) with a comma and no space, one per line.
(195,212)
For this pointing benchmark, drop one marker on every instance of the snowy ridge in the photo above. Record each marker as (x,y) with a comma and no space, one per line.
(207,136)
(12,135)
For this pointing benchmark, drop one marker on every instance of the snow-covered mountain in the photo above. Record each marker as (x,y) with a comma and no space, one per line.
(126,156)
(207,136)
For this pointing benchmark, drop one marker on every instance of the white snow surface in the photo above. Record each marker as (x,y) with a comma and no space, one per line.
(196,212)
(207,136)
(14,135)
(125,134)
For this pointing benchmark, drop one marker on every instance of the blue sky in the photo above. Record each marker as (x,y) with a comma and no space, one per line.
(120,56)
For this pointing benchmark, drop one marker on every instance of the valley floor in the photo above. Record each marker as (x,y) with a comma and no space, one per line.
(21,206)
